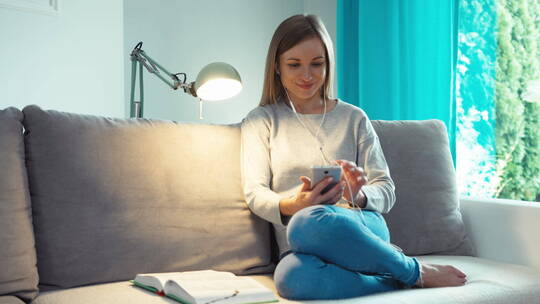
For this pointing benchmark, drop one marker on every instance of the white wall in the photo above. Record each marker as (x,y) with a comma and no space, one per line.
(70,61)
(78,60)
(183,36)
(326,9)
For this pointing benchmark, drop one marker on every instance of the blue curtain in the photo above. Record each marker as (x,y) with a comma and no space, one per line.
(396,58)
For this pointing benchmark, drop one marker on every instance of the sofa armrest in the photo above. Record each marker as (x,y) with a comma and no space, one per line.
(503,230)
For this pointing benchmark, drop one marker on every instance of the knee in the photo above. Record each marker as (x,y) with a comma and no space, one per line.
(376,223)
(296,276)
(308,222)
(309,217)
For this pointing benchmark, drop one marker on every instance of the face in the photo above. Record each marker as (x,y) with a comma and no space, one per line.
(303,70)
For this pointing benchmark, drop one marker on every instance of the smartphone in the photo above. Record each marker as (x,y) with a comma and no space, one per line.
(318,173)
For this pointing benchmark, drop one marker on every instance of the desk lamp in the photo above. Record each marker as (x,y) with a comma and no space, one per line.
(215,81)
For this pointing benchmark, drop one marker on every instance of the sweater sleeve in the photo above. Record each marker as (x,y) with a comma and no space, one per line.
(380,188)
(256,170)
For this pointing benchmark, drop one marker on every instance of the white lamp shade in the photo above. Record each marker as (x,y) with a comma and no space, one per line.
(218,81)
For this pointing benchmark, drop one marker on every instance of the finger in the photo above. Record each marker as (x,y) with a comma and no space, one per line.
(351,178)
(328,196)
(348,164)
(350,170)
(343,173)
(347,171)
(337,197)
(322,184)
(348,191)
(356,170)
(363,179)
(356,175)
(306,186)
(345,164)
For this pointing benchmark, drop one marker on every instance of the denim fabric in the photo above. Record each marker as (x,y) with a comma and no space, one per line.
(341,253)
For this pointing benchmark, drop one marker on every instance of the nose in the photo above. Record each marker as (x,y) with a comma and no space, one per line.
(306,74)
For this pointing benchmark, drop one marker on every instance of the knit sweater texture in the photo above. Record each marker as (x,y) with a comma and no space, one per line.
(277,149)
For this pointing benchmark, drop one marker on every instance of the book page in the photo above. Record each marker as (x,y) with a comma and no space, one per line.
(151,280)
(220,291)
(157,280)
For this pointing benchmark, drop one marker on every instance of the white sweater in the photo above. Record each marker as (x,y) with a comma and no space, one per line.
(276,150)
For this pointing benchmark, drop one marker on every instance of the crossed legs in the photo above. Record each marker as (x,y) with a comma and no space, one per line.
(341,253)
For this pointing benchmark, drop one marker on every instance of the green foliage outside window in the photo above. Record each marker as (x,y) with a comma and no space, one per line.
(475,98)
(517,121)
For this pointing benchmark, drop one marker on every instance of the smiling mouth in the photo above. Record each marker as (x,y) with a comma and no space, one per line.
(305,86)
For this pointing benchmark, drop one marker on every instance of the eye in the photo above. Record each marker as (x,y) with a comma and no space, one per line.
(317,64)
(293,65)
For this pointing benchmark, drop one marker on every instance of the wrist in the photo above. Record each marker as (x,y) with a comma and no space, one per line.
(287,206)
(360,200)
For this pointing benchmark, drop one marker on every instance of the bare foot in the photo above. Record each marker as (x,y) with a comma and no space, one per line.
(433,275)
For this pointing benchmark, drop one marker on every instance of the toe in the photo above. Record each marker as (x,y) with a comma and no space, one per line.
(460,273)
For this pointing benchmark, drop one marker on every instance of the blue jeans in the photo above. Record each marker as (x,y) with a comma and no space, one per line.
(341,253)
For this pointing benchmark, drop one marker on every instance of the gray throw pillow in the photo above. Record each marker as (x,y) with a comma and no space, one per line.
(117,197)
(426,217)
(18,272)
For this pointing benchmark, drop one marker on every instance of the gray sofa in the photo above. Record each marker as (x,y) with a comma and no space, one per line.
(87,202)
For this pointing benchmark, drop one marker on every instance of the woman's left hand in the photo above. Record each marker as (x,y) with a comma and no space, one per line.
(356,178)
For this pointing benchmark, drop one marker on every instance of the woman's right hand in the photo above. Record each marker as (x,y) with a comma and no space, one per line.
(308,196)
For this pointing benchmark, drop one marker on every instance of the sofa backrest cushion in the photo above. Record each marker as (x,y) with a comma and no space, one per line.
(18,272)
(117,197)
(425,218)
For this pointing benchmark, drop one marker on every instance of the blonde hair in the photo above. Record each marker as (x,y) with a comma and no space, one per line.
(289,33)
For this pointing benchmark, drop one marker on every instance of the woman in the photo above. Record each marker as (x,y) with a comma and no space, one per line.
(333,244)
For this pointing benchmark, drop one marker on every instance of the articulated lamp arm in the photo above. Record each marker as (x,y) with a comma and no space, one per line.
(215,81)
(140,58)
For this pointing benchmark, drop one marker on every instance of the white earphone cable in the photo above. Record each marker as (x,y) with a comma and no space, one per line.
(352,203)
(316,135)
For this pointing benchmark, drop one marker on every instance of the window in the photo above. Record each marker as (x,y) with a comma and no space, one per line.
(498,113)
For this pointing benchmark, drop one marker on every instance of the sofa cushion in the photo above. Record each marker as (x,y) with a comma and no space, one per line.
(425,218)
(488,282)
(10,300)
(18,272)
(115,197)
